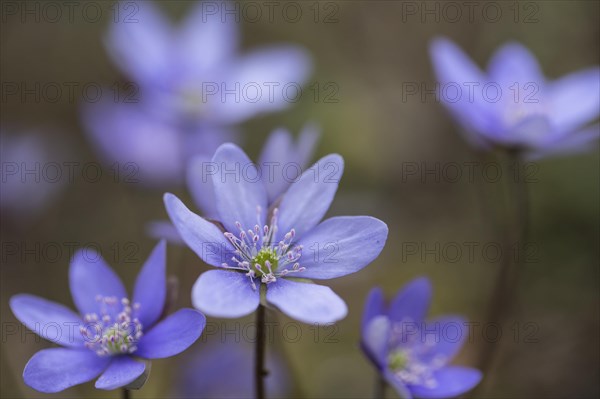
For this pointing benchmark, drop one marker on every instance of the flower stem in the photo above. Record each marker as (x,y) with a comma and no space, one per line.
(514,234)
(380,385)
(125,393)
(259,359)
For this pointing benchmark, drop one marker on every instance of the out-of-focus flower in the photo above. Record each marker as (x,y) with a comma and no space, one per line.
(281,162)
(410,353)
(193,86)
(31,172)
(156,151)
(215,363)
(253,244)
(513,105)
(112,332)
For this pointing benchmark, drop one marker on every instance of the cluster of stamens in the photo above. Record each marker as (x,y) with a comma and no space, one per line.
(517,111)
(411,359)
(109,335)
(259,257)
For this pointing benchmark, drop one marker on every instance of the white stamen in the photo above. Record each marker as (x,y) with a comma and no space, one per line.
(256,244)
(113,336)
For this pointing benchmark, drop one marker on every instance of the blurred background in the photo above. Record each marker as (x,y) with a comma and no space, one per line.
(365,54)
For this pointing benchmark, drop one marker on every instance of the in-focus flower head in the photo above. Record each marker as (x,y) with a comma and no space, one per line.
(280,161)
(412,353)
(254,244)
(513,105)
(111,332)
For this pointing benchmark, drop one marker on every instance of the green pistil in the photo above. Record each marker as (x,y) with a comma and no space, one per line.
(261,258)
(397,360)
(116,337)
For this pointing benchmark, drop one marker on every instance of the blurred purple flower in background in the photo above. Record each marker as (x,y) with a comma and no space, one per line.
(193,87)
(156,150)
(513,105)
(282,160)
(412,354)
(215,364)
(267,243)
(31,174)
(112,332)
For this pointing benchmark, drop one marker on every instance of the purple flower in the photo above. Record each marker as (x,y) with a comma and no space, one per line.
(146,148)
(254,244)
(513,105)
(191,86)
(280,162)
(110,332)
(410,353)
(181,66)
(31,174)
(215,364)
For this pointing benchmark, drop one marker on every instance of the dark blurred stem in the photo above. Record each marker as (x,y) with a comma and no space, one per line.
(380,385)
(514,235)
(259,359)
(125,393)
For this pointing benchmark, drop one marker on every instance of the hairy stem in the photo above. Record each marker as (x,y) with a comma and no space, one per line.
(380,385)
(514,235)
(259,359)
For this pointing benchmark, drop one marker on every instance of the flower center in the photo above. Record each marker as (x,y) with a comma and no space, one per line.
(193,101)
(259,256)
(397,360)
(412,357)
(516,112)
(266,260)
(108,335)
(411,370)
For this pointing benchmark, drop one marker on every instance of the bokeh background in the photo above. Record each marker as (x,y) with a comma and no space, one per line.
(368,51)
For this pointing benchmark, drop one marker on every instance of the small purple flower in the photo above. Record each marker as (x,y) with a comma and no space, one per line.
(254,244)
(191,87)
(31,175)
(410,353)
(513,105)
(147,149)
(215,363)
(280,161)
(110,332)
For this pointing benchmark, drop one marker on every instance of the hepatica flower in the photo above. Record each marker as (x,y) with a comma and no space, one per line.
(192,85)
(281,162)
(112,333)
(514,105)
(31,176)
(196,69)
(254,245)
(142,148)
(215,363)
(412,354)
